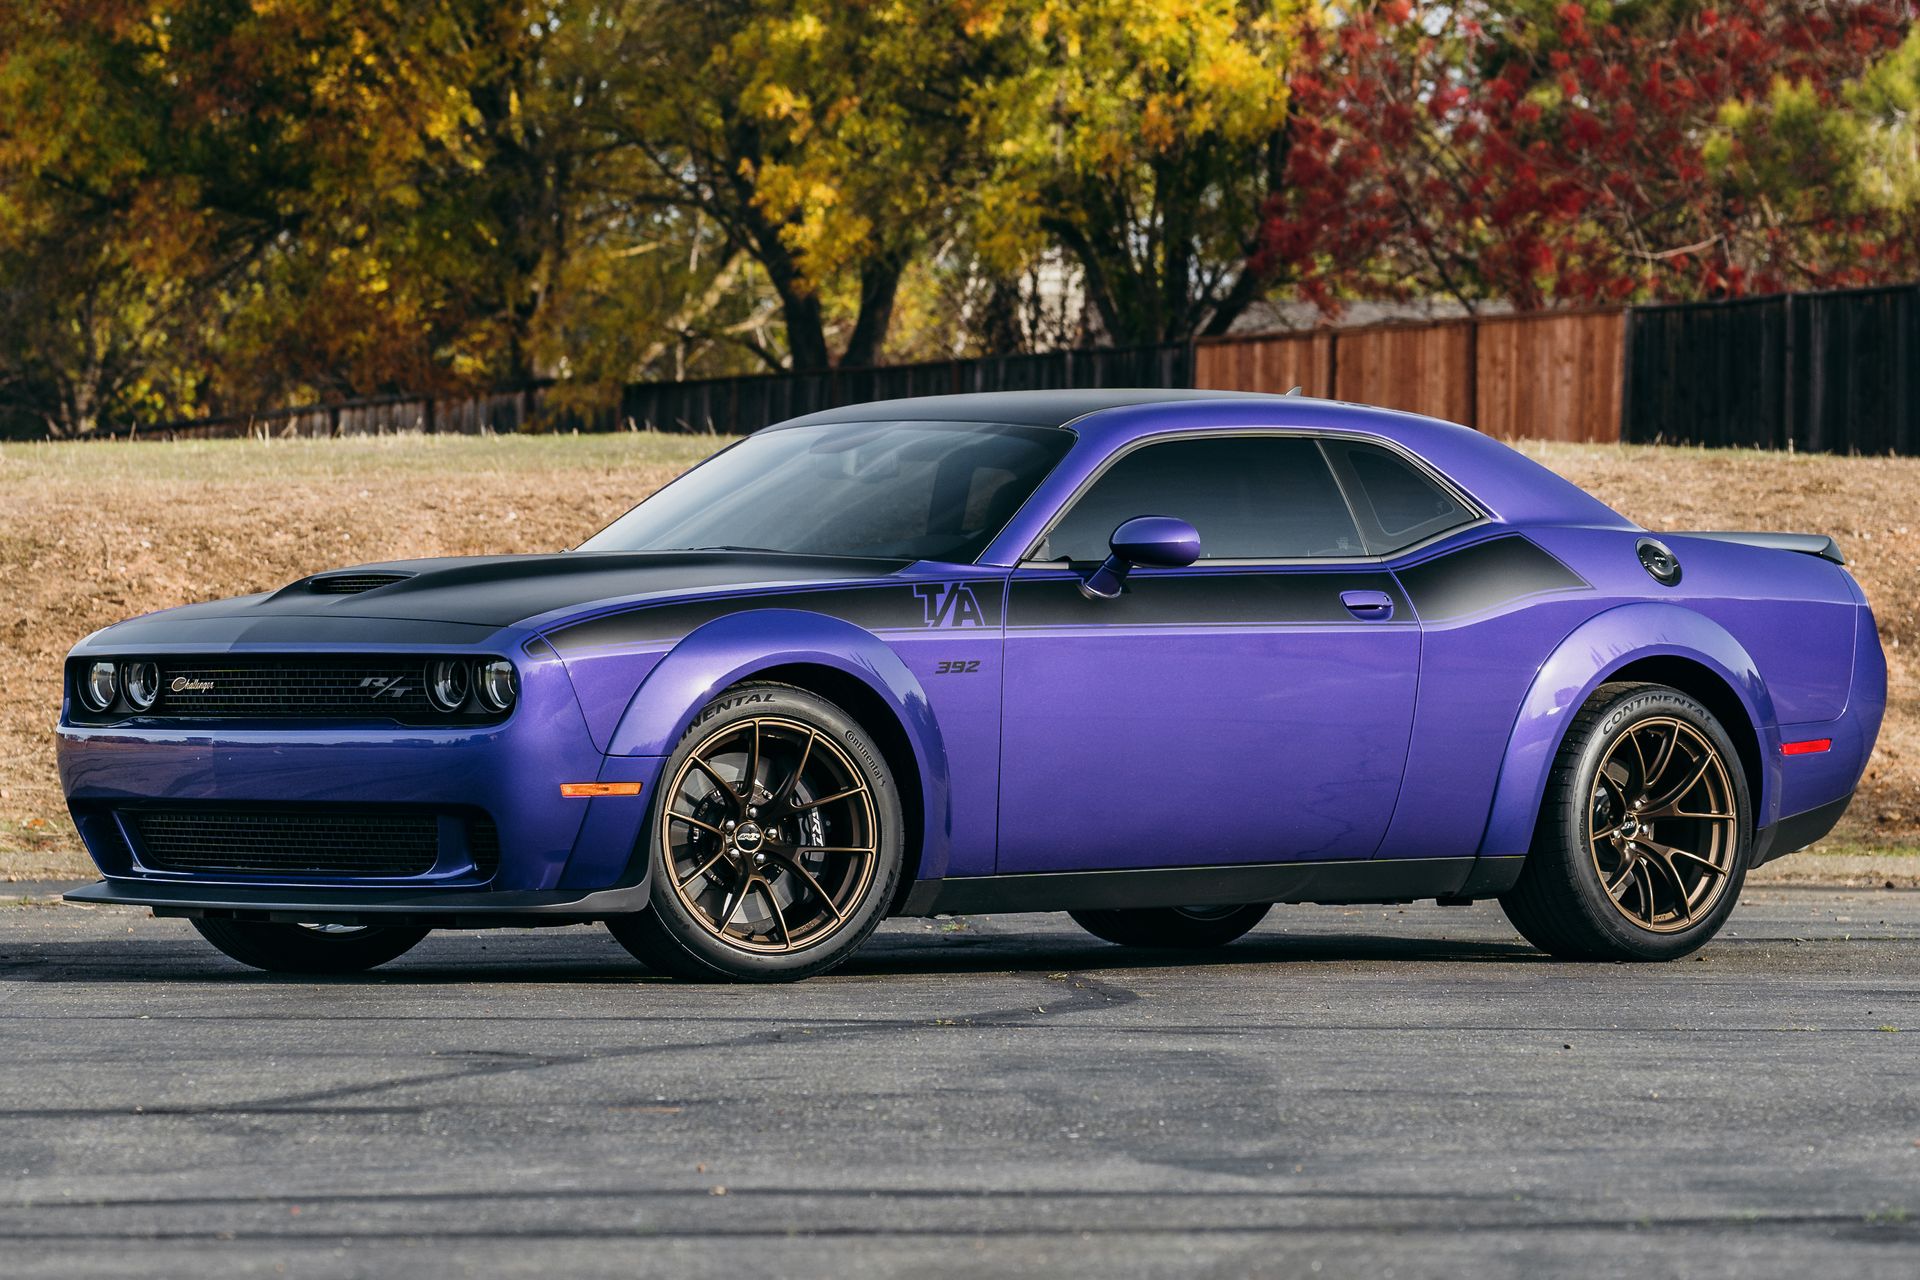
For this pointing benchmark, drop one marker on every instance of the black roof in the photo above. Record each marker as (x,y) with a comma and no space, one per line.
(1024,408)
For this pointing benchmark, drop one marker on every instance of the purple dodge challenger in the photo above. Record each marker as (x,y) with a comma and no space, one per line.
(1157,659)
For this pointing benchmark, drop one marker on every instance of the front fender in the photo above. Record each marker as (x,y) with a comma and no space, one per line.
(741,645)
(1588,658)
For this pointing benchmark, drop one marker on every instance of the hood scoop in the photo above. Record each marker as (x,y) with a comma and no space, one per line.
(352,584)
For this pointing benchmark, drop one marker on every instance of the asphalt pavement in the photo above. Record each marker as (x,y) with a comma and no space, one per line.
(1366,1091)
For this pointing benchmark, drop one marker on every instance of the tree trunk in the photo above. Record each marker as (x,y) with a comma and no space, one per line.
(879,283)
(1094,277)
(806,327)
(800,307)
(999,327)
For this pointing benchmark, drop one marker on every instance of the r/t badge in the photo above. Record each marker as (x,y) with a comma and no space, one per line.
(950,604)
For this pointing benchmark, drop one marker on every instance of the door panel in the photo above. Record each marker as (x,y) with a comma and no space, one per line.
(1209,715)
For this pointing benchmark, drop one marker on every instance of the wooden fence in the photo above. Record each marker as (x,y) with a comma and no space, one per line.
(530,408)
(1544,376)
(1836,372)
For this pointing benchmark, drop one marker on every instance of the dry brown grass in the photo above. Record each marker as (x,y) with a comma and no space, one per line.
(92,533)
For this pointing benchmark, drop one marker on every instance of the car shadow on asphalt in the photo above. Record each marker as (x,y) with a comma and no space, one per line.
(538,957)
(1008,952)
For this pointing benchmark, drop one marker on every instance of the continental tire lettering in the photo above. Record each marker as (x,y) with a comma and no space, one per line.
(855,741)
(722,705)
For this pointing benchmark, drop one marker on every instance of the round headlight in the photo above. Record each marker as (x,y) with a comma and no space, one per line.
(447,684)
(98,685)
(496,684)
(142,683)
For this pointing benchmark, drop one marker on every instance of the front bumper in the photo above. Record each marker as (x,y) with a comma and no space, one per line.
(314,904)
(559,849)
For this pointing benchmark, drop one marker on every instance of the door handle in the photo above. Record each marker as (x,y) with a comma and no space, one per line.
(1368,606)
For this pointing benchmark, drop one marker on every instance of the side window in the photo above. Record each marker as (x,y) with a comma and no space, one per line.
(1402,504)
(1251,498)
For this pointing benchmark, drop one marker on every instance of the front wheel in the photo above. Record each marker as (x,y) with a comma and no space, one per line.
(1181,928)
(1644,832)
(308,948)
(776,842)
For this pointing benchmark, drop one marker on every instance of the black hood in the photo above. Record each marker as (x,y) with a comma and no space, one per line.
(482,593)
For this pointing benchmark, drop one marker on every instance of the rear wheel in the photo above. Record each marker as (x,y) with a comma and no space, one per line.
(308,948)
(1172,927)
(776,842)
(1644,834)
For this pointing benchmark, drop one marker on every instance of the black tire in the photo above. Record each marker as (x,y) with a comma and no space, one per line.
(1659,851)
(835,899)
(299,948)
(1181,928)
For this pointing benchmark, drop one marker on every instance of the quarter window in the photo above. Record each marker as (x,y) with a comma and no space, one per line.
(1251,498)
(1399,501)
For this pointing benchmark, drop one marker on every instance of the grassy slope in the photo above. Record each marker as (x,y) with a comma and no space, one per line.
(90,534)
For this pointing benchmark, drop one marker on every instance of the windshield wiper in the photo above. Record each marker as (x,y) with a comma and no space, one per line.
(772,551)
(805,555)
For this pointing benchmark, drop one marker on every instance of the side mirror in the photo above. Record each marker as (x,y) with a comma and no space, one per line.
(1159,541)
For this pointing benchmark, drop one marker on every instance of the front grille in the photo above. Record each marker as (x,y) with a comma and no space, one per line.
(294,844)
(332,687)
(350,584)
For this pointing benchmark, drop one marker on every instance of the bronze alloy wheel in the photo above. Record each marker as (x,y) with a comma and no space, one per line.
(1643,833)
(769,833)
(1661,825)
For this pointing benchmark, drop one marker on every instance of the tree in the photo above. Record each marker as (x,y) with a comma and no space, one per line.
(220,203)
(824,138)
(452,211)
(1885,109)
(1144,140)
(131,189)
(167,167)
(1552,153)
(839,142)
(1845,163)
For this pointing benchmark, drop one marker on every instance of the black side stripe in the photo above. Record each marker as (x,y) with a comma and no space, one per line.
(893,606)
(1485,576)
(1218,597)
(1452,585)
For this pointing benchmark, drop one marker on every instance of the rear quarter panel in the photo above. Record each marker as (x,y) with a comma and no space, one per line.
(1795,614)
(1782,629)
(1812,634)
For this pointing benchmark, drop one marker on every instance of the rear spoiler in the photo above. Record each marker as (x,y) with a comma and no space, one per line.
(1809,544)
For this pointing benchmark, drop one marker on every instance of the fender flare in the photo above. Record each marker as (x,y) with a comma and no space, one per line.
(738,646)
(1587,658)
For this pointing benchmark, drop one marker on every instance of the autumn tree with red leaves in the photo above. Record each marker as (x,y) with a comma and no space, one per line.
(1549,154)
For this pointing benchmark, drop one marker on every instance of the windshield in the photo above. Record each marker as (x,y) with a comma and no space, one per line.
(895,490)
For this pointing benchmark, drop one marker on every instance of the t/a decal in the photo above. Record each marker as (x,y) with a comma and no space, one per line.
(950,604)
